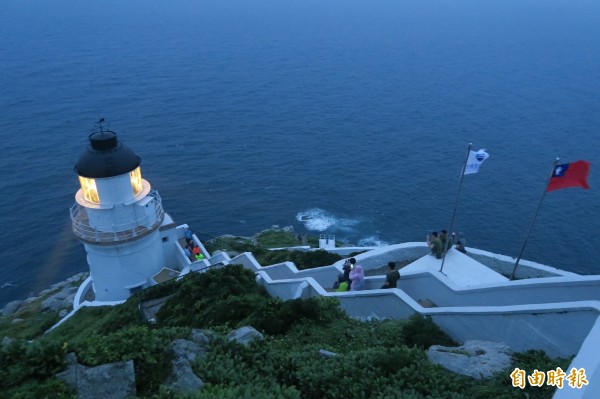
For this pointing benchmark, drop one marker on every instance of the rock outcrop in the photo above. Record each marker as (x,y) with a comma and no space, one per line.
(202,337)
(113,380)
(12,307)
(53,301)
(476,359)
(182,379)
(61,300)
(245,335)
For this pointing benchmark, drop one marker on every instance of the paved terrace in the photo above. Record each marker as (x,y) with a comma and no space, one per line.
(459,268)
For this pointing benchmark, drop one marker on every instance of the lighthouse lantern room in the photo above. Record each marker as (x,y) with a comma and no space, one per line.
(120,220)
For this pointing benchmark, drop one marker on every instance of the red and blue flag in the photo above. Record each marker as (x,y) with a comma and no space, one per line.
(572,174)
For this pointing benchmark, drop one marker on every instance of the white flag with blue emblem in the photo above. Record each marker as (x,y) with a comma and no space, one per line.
(476,158)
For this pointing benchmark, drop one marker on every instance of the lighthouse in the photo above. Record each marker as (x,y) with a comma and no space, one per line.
(119,218)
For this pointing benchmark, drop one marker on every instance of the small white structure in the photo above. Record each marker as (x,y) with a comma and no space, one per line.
(326,241)
(120,220)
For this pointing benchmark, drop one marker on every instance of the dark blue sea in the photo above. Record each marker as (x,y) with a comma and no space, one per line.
(354,115)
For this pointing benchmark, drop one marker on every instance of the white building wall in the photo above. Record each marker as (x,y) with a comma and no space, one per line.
(117,268)
(586,359)
(171,254)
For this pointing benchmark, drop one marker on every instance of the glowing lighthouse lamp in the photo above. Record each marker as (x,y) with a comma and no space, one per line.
(128,237)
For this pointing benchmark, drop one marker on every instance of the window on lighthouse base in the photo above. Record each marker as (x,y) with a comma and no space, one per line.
(88,186)
(136,180)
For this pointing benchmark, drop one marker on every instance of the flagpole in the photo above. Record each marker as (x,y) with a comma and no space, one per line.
(449,232)
(512,276)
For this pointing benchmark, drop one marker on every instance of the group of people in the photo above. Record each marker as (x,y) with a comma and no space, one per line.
(353,277)
(438,243)
(192,250)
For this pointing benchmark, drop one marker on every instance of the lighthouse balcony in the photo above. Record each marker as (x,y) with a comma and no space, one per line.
(141,222)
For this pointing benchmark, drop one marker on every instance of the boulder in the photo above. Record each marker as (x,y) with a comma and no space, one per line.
(476,359)
(6,341)
(184,349)
(182,379)
(12,307)
(60,300)
(59,285)
(202,337)
(113,380)
(78,277)
(69,375)
(245,335)
(327,354)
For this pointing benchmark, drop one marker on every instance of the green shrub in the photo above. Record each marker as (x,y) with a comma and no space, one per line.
(229,311)
(49,388)
(390,362)
(97,320)
(33,322)
(36,360)
(231,297)
(277,239)
(274,316)
(530,361)
(158,291)
(147,348)
(302,259)
(219,296)
(387,333)
(251,390)
(226,243)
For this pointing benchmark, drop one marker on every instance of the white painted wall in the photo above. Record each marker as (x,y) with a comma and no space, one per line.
(172,258)
(113,268)
(542,290)
(586,359)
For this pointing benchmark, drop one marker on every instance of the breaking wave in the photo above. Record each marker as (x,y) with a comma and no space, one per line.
(372,241)
(317,219)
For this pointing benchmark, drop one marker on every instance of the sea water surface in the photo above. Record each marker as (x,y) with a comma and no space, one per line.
(346,117)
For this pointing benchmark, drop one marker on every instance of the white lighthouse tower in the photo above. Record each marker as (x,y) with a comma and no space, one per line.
(120,220)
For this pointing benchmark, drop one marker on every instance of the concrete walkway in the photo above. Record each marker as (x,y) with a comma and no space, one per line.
(459,268)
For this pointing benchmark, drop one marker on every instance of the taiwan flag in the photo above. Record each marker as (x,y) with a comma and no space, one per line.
(572,174)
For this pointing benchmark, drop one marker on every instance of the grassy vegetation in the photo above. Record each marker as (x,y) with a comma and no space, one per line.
(31,321)
(378,359)
(275,239)
(229,243)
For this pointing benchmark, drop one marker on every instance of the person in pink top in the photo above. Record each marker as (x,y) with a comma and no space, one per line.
(357,276)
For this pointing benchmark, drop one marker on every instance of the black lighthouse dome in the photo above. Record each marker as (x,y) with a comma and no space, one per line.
(106,157)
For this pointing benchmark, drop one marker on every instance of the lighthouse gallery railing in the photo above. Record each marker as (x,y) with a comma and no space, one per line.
(118,232)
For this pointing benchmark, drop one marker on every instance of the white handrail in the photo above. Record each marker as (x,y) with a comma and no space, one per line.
(124,231)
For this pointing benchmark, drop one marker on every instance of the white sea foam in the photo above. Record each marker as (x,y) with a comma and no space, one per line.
(317,219)
(372,241)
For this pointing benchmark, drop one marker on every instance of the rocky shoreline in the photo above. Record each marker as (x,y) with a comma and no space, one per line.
(58,298)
